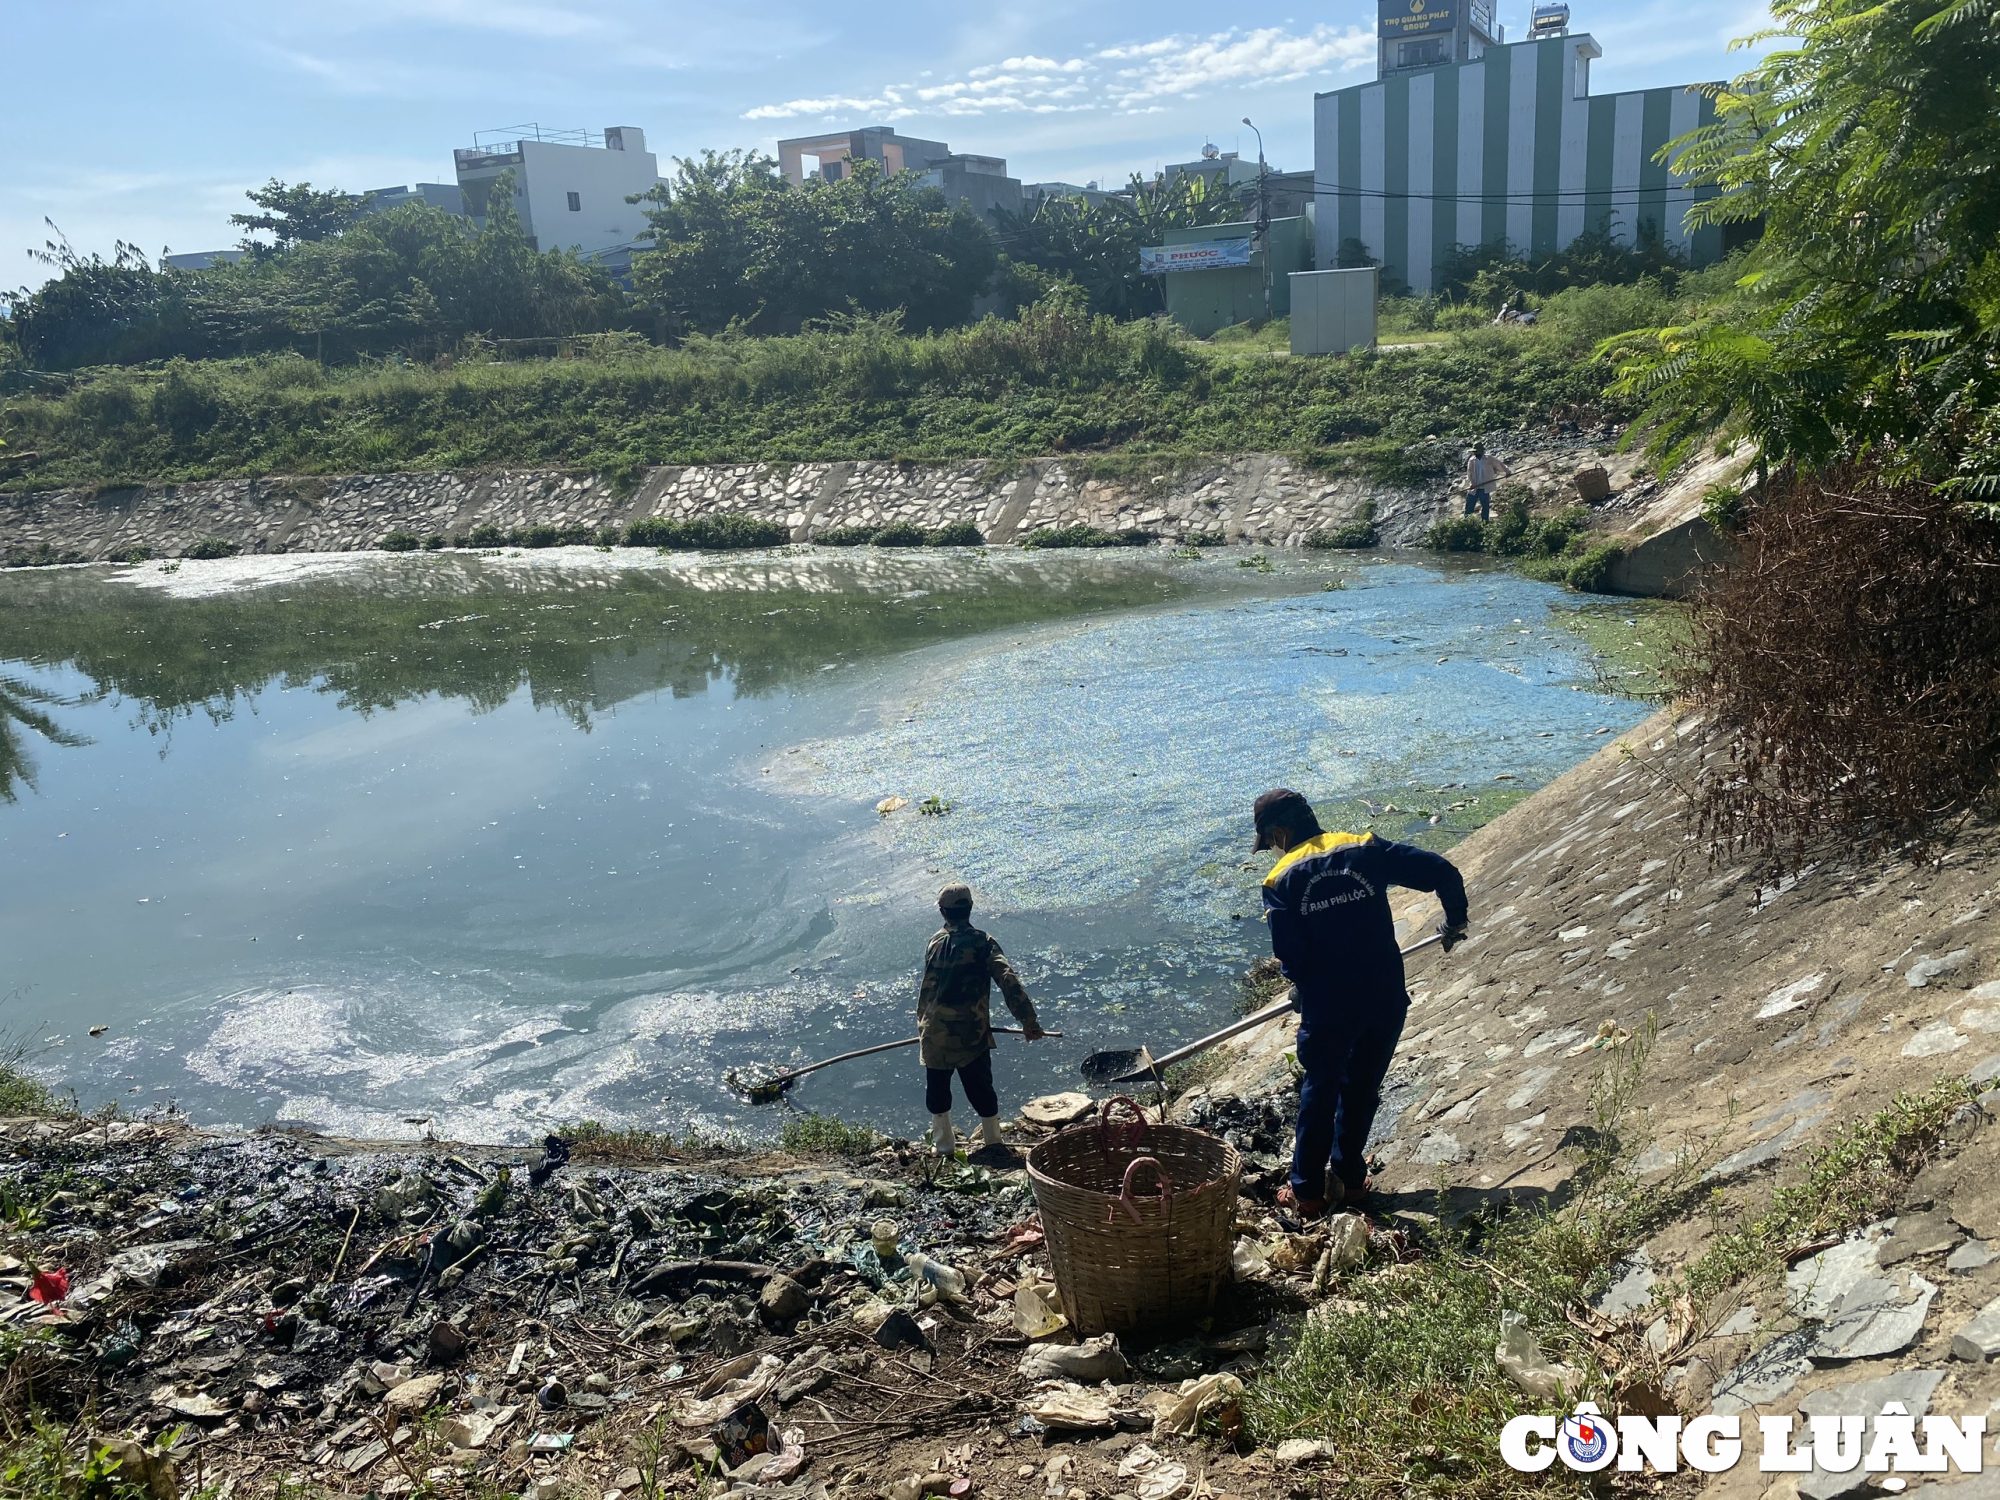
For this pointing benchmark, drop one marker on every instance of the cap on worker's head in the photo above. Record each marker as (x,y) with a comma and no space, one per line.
(955,898)
(1478,450)
(1281,807)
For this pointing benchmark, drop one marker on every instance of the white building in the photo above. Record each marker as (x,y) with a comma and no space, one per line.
(570,187)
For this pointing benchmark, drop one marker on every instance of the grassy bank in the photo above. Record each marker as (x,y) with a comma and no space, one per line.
(1047,383)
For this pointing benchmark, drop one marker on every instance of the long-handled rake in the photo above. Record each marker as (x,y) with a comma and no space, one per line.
(770,1090)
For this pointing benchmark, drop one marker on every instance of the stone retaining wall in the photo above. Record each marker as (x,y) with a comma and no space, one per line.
(1262,499)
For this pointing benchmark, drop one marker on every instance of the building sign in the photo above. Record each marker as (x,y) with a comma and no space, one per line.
(1213,255)
(1403,18)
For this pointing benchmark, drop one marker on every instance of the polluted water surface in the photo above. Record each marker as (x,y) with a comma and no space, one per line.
(496,843)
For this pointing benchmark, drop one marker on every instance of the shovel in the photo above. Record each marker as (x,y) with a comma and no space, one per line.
(774,1088)
(1136,1064)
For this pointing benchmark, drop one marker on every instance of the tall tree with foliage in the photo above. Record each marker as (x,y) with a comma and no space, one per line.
(1096,244)
(1868,323)
(298,214)
(737,244)
(1847,654)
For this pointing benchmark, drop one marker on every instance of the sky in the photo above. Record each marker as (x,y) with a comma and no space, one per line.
(132,120)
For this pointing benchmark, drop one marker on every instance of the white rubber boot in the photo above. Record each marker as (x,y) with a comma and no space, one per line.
(989,1131)
(943,1137)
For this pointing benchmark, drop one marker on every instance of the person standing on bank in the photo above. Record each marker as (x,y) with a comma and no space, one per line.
(1481,474)
(1327,901)
(961,966)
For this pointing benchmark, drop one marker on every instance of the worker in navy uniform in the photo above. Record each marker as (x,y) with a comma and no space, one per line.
(1327,901)
(961,966)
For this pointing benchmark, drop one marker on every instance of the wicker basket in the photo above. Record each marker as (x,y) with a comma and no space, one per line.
(1139,1219)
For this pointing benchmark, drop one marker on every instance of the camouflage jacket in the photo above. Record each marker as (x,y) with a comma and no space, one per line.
(960,967)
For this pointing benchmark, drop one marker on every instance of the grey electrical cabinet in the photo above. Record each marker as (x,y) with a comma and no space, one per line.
(1333,311)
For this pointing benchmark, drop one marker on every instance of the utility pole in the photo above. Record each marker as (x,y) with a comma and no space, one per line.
(1263,217)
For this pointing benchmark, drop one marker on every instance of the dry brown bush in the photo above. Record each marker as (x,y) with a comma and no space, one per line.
(1851,655)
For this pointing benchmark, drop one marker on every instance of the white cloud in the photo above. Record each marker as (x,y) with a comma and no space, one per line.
(1131,78)
(1179,66)
(888,105)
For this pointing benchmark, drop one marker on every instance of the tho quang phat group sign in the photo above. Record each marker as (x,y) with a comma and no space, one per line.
(1209,255)
(1404,18)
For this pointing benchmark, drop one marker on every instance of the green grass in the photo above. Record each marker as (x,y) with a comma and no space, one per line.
(1089,390)
(826,1135)
(43,1459)
(617,1143)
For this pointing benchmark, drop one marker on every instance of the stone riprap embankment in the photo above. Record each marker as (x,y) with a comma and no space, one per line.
(1260,499)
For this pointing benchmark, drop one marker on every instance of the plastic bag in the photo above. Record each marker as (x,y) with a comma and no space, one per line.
(1521,1360)
(1248,1262)
(1035,1311)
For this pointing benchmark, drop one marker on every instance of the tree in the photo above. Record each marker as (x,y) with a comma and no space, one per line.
(1867,325)
(298,214)
(1096,245)
(736,244)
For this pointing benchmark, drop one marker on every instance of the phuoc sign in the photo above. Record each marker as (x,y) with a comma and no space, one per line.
(1211,255)
(1401,18)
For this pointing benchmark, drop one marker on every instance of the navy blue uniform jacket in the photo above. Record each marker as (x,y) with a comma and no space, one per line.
(1327,900)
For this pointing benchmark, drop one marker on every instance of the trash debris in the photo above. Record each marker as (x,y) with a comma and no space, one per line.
(1053,1111)
(782,1301)
(741,1435)
(145,1468)
(749,1387)
(1181,1413)
(900,1331)
(1248,1262)
(943,1279)
(1073,1409)
(49,1287)
(1293,1252)
(1158,1478)
(1521,1360)
(1089,1363)
(415,1395)
(1346,1248)
(1294,1451)
(1036,1314)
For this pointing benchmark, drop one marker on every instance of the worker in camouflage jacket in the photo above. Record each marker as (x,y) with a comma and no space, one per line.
(961,966)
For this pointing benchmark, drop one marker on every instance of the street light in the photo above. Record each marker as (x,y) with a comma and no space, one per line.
(1263,218)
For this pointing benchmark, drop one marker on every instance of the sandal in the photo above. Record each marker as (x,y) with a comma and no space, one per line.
(1306,1208)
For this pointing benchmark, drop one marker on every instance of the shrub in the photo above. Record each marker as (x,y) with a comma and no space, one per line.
(1848,657)
(1554,535)
(400,541)
(433,543)
(134,555)
(538,536)
(846,536)
(1457,534)
(1591,572)
(1080,535)
(609,536)
(1509,533)
(706,533)
(957,534)
(212,546)
(488,535)
(826,1135)
(900,534)
(1357,533)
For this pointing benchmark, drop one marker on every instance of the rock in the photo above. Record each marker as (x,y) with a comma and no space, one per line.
(1057,1110)
(597,1383)
(1919,974)
(782,1301)
(1876,1317)
(1631,1287)
(1089,1363)
(1969,1257)
(1979,1340)
(417,1394)
(447,1341)
(805,1377)
(1919,1234)
(1816,1285)
(1303,1451)
(1913,1388)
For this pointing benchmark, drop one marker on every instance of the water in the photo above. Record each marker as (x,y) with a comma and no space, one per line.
(502,842)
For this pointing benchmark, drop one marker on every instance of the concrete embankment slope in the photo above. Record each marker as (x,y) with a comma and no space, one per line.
(1783,1010)
(1263,499)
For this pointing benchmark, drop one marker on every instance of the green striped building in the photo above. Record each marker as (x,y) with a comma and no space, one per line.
(1509,146)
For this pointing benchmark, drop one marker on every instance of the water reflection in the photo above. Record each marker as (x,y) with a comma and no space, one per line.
(23,709)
